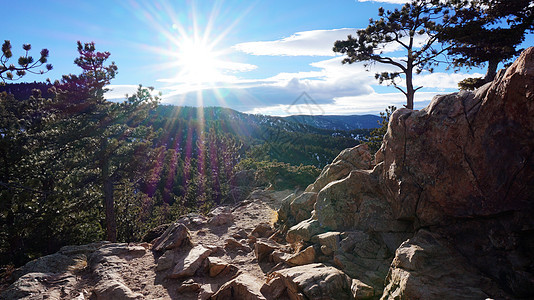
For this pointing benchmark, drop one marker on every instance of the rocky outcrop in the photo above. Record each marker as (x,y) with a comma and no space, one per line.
(461,170)
(464,168)
(357,158)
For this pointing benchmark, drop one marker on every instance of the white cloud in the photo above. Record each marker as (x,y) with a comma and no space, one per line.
(337,88)
(306,43)
(316,43)
(235,66)
(372,103)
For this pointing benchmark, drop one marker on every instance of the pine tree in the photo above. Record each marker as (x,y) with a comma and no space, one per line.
(106,140)
(487,32)
(418,19)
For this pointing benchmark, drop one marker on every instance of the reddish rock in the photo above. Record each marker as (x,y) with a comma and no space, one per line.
(263,230)
(219,267)
(264,247)
(426,267)
(464,167)
(306,256)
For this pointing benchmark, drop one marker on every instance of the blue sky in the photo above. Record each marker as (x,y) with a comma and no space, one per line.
(253,56)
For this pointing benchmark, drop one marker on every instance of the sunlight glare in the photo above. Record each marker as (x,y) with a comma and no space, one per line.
(199,62)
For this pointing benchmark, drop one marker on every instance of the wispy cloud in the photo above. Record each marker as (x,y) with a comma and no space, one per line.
(315,43)
(306,43)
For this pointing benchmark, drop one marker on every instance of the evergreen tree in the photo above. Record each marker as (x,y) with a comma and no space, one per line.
(107,139)
(419,19)
(487,32)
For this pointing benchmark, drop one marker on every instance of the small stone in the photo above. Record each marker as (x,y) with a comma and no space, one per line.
(188,286)
(221,216)
(233,244)
(263,230)
(361,290)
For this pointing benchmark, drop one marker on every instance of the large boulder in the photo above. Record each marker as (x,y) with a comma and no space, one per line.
(302,206)
(426,267)
(356,202)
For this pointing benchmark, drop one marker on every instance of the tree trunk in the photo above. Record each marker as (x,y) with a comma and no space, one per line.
(109,205)
(111,223)
(492,70)
(409,89)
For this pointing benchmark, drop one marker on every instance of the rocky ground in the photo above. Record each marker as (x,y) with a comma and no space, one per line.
(444,210)
(192,259)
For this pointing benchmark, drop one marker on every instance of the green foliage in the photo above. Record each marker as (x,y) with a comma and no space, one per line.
(281,175)
(400,27)
(377,135)
(26,63)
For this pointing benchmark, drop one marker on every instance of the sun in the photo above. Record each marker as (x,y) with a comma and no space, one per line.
(198,62)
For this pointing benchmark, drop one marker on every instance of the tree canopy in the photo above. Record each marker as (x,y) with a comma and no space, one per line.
(487,32)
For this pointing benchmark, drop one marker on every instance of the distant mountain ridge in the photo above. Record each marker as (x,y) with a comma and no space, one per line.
(294,123)
(288,140)
(337,122)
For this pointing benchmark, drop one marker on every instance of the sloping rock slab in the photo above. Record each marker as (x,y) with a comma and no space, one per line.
(191,262)
(356,158)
